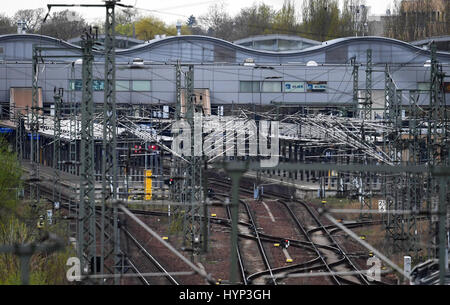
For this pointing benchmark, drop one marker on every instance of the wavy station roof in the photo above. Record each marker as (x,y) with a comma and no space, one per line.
(203,49)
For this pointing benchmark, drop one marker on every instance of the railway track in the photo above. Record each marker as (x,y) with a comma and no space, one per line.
(132,262)
(319,263)
(261,249)
(141,250)
(269,271)
(338,253)
(257,238)
(242,268)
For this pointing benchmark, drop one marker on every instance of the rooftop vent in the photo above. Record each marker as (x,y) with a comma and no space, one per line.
(21,27)
(178,28)
(138,61)
(311,63)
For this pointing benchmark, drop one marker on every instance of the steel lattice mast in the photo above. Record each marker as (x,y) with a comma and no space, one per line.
(193,178)
(176,170)
(437,154)
(109,217)
(57,99)
(73,125)
(34,128)
(20,130)
(87,239)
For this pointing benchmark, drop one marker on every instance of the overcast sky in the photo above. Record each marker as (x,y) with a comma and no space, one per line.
(169,10)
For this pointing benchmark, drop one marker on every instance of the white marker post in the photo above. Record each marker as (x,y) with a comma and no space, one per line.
(407,266)
(382,206)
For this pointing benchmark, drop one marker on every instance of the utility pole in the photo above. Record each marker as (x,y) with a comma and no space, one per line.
(34,130)
(73,125)
(194,171)
(57,98)
(367,109)
(110,248)
(438,155)
(87,238)
(176,189)
(109,217)
(413,185)
(178,91)
(394,222)
(355,85)
(365,190)
(20,130)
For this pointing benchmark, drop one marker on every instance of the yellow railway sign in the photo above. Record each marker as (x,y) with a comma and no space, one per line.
(148,185)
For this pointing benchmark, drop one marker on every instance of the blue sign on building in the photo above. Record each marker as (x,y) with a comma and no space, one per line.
(317,86)
(35,136)
(6,130)
(294,87)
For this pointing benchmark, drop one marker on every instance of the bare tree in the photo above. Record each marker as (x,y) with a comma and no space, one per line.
(255,20)
(6,25)
(321,19)
(217,22)
(414,20)
(127,15)
(194,27)
(64,25)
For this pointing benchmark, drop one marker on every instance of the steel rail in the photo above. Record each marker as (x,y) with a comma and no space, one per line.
(303,231)
(154,261)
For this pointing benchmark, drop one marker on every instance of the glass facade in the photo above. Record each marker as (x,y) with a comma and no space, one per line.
(141,85)
(423,86)
(249,87)
(286,45)
(122,85)
(271,87)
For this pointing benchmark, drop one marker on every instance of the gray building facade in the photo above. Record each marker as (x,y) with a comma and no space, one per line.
(319,76)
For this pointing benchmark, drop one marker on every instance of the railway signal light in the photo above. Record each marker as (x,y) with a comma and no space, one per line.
(285,243)
(137,149)
(153,147)
(169,181)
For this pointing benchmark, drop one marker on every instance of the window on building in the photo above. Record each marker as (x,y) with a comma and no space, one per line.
(284,45)
(122,85)
(249,86)
(423,86)
(269,45)
(337,55)
(271,87)
(247,44)
(222,54)
(141,85)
